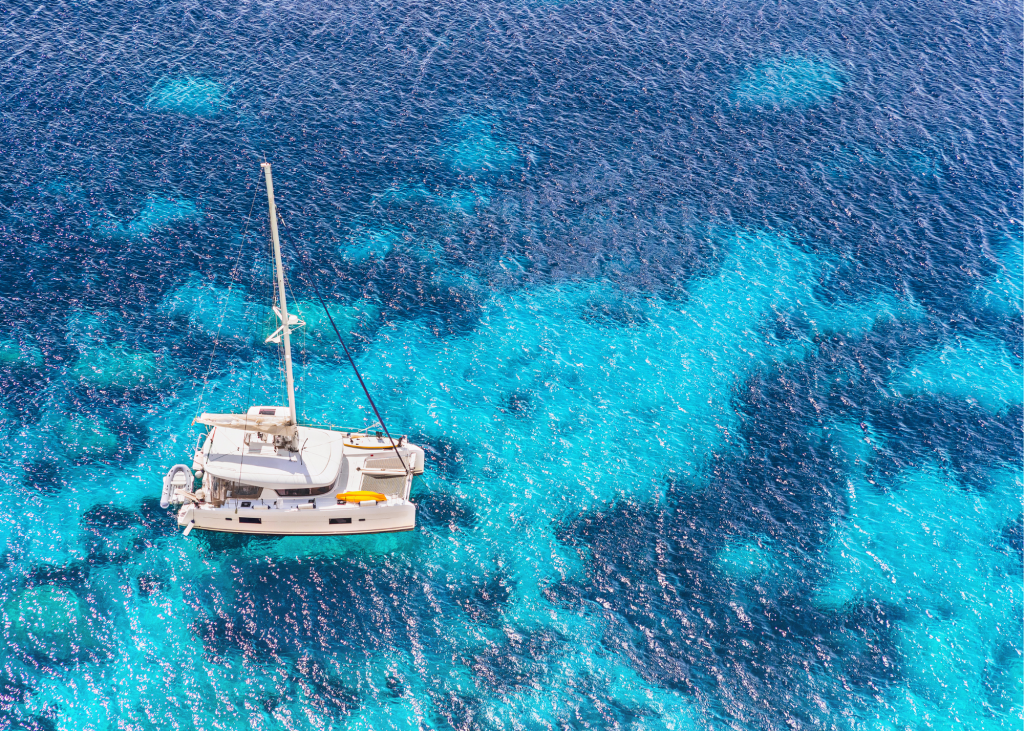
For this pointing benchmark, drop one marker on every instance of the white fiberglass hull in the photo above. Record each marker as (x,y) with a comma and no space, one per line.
(299,519)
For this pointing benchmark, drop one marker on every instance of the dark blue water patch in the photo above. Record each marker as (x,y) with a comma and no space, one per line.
(841,384)
(791,327)
(1005,658)
(103,518)
(37,723)
(788,486)
(484,598)
(43,476)
(158,522)
(72,576)
(323,690)
(410,290)
(588,100)
(23,397)
(967,439)
(103,528)
(406,287)
(517,664)
(273,609)
(15,686)
(455,711)
(684,627)
(105,551)
(150,584)
(519,402)
(874,664)
(438,508)
(81,269)
(444,455)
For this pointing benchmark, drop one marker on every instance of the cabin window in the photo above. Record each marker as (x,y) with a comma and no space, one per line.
(340,521)
(231,488)
(250,520)
(303,491)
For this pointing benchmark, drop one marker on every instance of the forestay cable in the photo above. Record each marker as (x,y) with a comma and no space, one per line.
(380,419)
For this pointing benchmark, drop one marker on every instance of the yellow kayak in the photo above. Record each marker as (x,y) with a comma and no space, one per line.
(358,496)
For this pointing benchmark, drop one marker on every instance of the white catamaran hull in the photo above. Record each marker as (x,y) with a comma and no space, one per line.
(304,519)
(263,472)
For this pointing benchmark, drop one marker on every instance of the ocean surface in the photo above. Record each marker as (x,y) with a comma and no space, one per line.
(708,316)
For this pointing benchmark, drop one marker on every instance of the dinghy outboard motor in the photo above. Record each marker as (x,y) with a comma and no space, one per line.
(179,479)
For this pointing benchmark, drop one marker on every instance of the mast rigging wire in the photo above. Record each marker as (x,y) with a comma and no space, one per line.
(348,354)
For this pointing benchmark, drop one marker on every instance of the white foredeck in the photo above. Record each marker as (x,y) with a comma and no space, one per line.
(241,456)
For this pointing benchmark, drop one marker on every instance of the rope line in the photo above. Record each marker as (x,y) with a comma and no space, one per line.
(348,354)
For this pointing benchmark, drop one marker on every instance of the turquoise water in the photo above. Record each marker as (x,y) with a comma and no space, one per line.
(708,319)
(789,82)
(187,95)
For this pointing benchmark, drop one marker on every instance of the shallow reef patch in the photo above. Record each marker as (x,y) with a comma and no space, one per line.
(933,548)
(1003,291)
(49,621)
(157,212)
(83,437)
(370,243)
(215,311)
(971,369)
(115,366)
(478,146)
(190,95)
(20,354)
(788,82)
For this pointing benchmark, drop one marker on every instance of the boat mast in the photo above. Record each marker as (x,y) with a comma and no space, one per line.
(284,303)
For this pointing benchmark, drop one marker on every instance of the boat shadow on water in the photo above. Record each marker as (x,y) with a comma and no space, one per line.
(297,548)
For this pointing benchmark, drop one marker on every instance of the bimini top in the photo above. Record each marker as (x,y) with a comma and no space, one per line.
(242,456)
(266,419)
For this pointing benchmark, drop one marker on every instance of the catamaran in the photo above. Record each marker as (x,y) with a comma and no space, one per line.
(264,472)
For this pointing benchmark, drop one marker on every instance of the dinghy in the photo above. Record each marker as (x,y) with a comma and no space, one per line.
(265,472)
